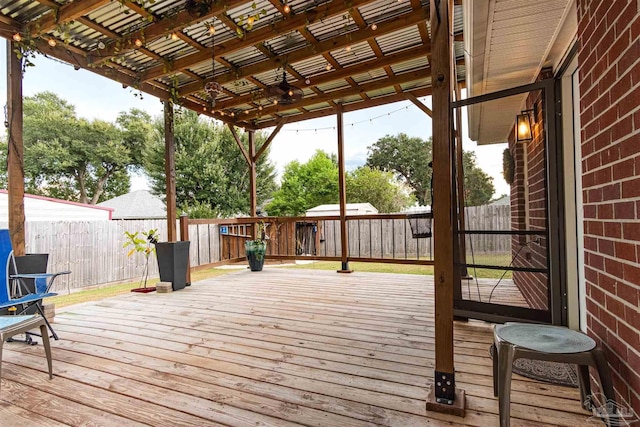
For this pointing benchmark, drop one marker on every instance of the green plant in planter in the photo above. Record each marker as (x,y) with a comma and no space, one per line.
(142,242)
(257,249)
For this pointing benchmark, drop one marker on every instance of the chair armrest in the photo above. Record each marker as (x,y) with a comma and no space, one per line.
(43,281)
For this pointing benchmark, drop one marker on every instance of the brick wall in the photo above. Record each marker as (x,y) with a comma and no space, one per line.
(609,76)
(528,208)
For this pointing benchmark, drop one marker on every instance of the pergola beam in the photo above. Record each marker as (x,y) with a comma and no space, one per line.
(64,14)
(329,111)
(296,22)
(247,158)
(419,104)
(270,139)
(404,21)
(162,28)
(334,95)
(341,74)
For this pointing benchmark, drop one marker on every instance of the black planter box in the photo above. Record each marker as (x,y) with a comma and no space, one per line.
(29,264)
(173,261)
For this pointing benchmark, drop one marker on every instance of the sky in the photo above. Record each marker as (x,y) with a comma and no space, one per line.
(96,97)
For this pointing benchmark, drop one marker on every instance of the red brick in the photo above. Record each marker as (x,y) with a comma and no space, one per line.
(621,86)
(624,210)
(624,169)
(617,50)
(629,146)
(628,335)
(608,319)
(623,18)
(610,155)
(634,74)
(614,268)
(631,188)
(599,330)
(589,211)
(631,231)
(595,260)
(631,274)
(611,192)
(595,228)
(622,128)
(630,55)
(613,230)
(590,275)
(590,243)
(607,283)
(627,103)
(635,28)
(619,348)
(605,211)
(626,251)
(627,293)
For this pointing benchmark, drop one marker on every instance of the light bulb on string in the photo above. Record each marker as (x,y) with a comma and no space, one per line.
(328,67)
(286,8)
(348,48)
(17,37)
(212,29)
(374,26)
(138,42)
(174,36)
(307,82)
(52,42)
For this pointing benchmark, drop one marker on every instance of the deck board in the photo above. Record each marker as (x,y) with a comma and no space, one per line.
(277,348)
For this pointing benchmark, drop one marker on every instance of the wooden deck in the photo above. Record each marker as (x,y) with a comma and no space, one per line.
(278,348)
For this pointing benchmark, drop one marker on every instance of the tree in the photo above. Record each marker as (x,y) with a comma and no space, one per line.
(478,186)
(406,157)
(367,185)
(305,185)
(409,158)
(212,177)
(71,158)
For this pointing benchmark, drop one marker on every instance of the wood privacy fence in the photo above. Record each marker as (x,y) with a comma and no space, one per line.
(93,250)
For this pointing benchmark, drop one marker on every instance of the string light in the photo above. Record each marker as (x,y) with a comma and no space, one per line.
(286,8)
(374,26)
(212,30)
(250,20)
(348,48)
(369,120)
(259,107)
(17,37)
(174,36)
(52,42)
(328,67)
(275,102)
(101,45)
(307,81)
(138,42)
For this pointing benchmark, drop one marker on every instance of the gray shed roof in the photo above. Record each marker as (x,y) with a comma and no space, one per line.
(139,204)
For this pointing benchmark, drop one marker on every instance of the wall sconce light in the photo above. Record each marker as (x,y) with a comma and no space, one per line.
(524,122)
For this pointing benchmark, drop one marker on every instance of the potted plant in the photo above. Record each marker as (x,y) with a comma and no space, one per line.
(256,249)
(173,262)
(142,242)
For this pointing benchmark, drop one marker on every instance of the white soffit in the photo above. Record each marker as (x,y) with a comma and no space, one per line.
(507,43)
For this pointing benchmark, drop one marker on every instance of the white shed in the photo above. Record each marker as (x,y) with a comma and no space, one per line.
(39,208)
(352,209)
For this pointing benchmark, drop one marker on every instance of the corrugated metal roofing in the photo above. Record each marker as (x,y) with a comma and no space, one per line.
(106,32)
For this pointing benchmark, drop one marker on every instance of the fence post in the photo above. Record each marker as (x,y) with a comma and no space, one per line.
(184,236)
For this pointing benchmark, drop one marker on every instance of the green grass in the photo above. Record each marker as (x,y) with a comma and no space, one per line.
(97,294)
(371,267)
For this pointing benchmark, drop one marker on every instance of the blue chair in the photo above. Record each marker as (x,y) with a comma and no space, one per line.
(11,289)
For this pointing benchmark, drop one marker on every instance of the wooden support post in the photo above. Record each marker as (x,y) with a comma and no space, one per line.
(252,175)
(411,97)
(15,159)
(239,143)
(443,397)
(342,185)
(170,170)
(184,237)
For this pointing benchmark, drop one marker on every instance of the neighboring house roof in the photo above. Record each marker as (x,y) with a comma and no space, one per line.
(506,200)
(140,204)
(352,209)
(40,208)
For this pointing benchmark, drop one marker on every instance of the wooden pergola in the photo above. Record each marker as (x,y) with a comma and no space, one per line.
(343,55)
